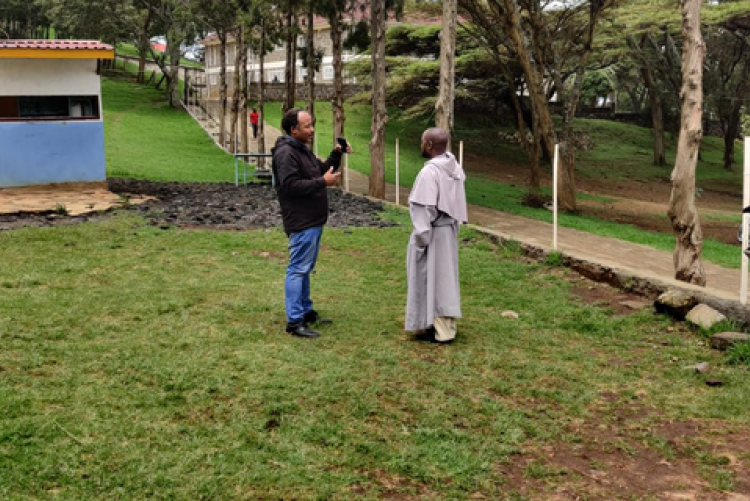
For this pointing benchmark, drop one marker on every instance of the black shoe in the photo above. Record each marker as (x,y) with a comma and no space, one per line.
(428,336)
(301,329)
(312,317)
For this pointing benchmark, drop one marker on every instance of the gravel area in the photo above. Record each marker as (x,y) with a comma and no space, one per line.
(221,206)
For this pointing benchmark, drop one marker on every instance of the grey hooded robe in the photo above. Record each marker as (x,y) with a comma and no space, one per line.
(437,204)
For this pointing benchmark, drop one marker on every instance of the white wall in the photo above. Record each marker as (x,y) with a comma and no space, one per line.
(48,77)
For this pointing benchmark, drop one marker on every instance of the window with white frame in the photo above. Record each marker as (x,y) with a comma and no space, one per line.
(327,72)
(276,76)
(214,79)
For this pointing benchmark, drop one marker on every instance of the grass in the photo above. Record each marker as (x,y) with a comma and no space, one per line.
(147,363)
(144,138)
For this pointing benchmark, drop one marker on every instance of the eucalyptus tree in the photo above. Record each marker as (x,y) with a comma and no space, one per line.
(552,42)
(309,60)
(334,11)
(727,74)
(218,16)
(640,53)
(444,108)
(291,31)
(266,33)
(180,25)
(682,211)
(379,111)
(378,16)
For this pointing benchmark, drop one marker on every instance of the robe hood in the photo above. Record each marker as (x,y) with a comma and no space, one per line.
(440,183)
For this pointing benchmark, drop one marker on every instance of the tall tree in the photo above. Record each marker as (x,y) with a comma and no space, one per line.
(640,54)
(379,111)
(311,59)
(179,22)
(728,78)
(334,10)
(552,46)
(682,212)
(220,17)
(290,70)
(445,102)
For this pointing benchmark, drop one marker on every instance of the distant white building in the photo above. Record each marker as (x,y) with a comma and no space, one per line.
(275,61)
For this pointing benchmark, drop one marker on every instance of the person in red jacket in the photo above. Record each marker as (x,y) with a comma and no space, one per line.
(254,122)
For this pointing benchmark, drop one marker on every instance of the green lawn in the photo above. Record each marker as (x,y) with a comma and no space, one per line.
(140,363)
(144,138)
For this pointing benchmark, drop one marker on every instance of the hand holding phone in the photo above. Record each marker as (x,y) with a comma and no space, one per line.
(344,144)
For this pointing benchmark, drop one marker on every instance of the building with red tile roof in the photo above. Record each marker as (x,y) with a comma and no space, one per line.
(51,127)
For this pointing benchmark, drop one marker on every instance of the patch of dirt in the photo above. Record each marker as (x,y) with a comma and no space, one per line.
(623,451)
(220,206)
(642,204)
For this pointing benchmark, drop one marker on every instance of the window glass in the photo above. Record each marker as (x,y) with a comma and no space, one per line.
(49,107)
(43,106)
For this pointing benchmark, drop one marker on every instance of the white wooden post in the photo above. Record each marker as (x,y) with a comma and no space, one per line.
(745,220)
(554,199)
(398,188)
(346,173)
(461,153)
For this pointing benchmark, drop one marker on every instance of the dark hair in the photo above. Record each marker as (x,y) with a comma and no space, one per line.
(290,120)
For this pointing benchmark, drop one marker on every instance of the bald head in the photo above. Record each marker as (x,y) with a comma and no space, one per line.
(434,142)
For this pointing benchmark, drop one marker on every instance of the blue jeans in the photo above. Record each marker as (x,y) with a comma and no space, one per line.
(303,253)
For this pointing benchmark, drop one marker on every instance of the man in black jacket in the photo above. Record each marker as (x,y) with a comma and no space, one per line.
(301,185)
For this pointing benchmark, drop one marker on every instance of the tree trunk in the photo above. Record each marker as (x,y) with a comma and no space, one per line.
(657,116)
(143,45)
(262,90)
(173,78)
(310,60)
(222,87)
(339,117)
(236,84)
(379,112)
(730,135)
(682,211)
(538,98)
(654,98)
(244,86)
(290,73)
(444,105)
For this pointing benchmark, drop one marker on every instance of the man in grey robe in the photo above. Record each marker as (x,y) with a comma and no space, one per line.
(437,204)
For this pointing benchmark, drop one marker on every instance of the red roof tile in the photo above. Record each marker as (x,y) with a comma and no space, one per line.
(55,44)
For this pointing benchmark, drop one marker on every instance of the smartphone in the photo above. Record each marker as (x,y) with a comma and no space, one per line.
(343,143)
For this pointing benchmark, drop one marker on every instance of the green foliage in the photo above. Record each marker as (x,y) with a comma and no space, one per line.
(417,41)
(358,37)
(596,84)
(739,354)
(555,258)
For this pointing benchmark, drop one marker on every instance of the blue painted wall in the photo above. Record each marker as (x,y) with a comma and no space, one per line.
(51,152)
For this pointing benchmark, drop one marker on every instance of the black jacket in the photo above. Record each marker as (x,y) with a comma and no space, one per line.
(300,186)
